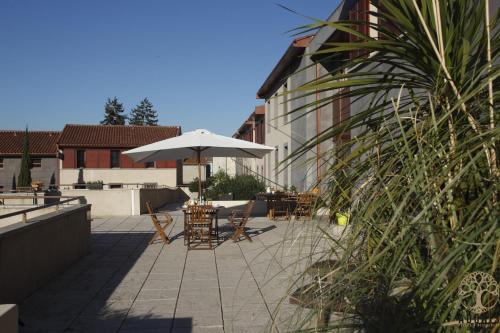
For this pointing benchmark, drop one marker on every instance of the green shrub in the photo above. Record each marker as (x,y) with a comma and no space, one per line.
(95,185)
(245,187)
(242,187)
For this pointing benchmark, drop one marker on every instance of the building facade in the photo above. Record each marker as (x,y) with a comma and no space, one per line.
(43,156)
(291,121)
(253,130)
(92,153)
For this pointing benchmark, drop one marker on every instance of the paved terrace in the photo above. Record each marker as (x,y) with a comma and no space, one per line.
(126,285)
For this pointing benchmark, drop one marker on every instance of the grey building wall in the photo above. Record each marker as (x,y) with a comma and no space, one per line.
(12,166)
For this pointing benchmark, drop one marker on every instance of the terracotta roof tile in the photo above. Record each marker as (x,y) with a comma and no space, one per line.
(116,136)
(41,143)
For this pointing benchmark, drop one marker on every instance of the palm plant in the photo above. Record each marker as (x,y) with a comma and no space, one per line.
(420,177)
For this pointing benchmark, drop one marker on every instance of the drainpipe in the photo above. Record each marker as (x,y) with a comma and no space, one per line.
(318,118)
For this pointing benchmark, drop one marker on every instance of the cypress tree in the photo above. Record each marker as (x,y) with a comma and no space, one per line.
(24,179)
(113,113)
(13,187)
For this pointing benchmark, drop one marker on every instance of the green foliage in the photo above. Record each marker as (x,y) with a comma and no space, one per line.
(242,187)
(420,178)
(113,113)
(144,114)
(24,179)
(193,185)
(95,185)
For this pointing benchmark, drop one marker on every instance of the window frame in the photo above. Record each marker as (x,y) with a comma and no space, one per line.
(80,164)
(36,165)
(113,153)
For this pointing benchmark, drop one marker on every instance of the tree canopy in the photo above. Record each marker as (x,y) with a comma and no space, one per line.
(113,113)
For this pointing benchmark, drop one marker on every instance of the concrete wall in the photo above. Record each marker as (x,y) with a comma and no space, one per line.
(19,218)
(259,207)
(226,164)
(166,177)
(190,172)
(33,253)
(160,197)
(12,166)
(126,202)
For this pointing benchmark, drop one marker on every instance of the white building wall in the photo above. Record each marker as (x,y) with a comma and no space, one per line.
(226,164)
(121,176)
(278,135)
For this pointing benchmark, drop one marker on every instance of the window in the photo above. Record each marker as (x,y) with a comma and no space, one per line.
(149,164)
(80,158)
(115,159)
(285,170)
(285,103)
(276,162)
(36,162)
(269,116)
(276,111)
(112,186)
(1,162)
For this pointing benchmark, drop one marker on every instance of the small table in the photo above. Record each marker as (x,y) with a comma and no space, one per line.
(282,199)
(213,211)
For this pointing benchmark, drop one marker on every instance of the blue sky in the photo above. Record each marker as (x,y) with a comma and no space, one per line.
(199,62)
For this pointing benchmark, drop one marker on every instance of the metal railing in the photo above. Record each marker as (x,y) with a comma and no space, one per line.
(54,201)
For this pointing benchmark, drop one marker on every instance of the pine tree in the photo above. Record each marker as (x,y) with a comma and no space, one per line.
(24,179)
(150,114)
(144,114)
(113,113)
(137,115)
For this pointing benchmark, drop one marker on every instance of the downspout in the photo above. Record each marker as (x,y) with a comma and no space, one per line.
(318,118)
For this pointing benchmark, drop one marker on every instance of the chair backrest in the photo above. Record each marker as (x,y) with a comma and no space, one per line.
(248,208)
(197,213)
(150,211)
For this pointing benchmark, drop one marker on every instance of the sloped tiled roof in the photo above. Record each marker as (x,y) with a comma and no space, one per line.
(114,136)
(41,143)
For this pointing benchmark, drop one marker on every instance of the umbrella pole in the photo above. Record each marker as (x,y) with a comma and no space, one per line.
(199,175)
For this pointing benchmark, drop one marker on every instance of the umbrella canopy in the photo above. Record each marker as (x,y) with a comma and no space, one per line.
(198,143)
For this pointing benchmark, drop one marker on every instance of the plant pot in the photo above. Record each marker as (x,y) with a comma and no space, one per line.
(342,218)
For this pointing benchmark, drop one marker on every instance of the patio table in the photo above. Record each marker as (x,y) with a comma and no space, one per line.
(214,213)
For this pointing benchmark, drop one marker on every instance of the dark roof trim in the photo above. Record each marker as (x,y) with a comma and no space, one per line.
(259,112)
(325,33)
(285,66)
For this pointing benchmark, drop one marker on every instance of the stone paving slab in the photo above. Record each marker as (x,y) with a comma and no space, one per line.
(126,285)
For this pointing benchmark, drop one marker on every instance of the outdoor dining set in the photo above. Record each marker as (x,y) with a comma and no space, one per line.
(201,224)
(287,204)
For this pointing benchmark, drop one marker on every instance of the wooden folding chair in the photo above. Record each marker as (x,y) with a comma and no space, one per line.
(199,227)
(305,203)
(239,222)
(160,225)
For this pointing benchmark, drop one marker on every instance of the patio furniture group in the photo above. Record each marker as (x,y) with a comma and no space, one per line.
(285,205)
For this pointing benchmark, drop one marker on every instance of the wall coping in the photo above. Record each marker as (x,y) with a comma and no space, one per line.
(40,220)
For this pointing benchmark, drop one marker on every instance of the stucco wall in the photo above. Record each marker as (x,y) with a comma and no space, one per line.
(160,176)
(190,172)
(12,166)
(126,202)
(226,164)
(31,254)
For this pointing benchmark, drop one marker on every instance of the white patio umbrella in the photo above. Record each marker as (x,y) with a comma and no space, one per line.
(199,143)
